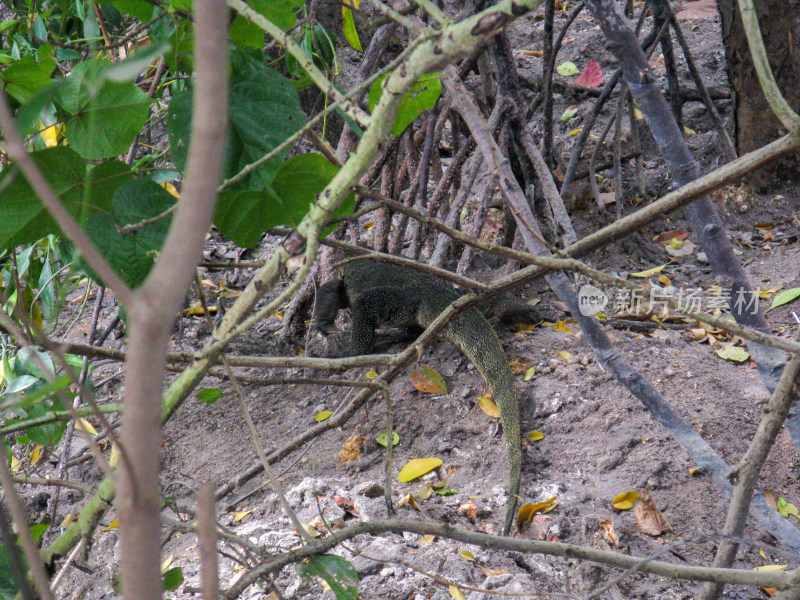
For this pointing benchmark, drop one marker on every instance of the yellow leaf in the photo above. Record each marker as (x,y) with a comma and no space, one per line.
(167,562)
(349,25)
(648,272)
(530,373)
(114,458)
(786,508)
(562,327)
(638,113)
(538,53)
(36,454)
(86,426)
(323,415)
(674,244)
(455,592)
(371,374)
(526,511)
(625,500)
(113,525)
(368,226)
(535,436)
(689,131)
(763,554)
(67,520)
(466,555)
(417,467)
(490,408)
(171,189)
(664,280)
(429,381)
(574,132)
(238,516)
(15,464)
(771,568)
(565,355)
(50,135)
(426,539)
(733,353)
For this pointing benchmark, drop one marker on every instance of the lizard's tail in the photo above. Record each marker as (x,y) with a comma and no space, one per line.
(478,341)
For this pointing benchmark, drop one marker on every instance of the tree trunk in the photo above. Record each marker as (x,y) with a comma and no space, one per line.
(755,123)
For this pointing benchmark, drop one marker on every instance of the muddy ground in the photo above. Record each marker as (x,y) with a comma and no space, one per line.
(598,441)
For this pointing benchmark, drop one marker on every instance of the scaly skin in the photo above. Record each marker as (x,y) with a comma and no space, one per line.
(389,295)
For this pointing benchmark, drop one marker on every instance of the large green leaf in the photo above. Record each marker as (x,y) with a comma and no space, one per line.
(280,12)
(132,254)
(244,216)
(48,434)
(106,115)
(141,9)
(264,111)
(421,97)
(26,76)
(23,218)
(8,588)
(338,573)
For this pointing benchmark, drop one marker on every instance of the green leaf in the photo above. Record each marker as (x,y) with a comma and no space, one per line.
(8,588)
(132,254)
(172,579)
(264,111)
(105,178)
(338,573)
(40,391)
(566,69)
(130,68)
(209,395)
(50,433)
(244,216)
(350,32)
(421,97)
(784,297)
(28,360)
(280,12)
(37,531)
(25,77)
(381,439)
(141,9)
(106,115)
(23,218)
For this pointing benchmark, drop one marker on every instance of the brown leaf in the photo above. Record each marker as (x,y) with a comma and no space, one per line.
(769,496)
(699,9)
(648,518)
(346,505)
(668,236)
(608,532)
(519,365)
(351,449)
(470,509)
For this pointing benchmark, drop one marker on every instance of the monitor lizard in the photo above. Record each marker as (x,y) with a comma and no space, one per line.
(381,294)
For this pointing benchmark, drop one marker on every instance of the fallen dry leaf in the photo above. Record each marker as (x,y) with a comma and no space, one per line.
(351,449)
(592,75)
(608,532)
(648,518)
(429,381)
(470,509)
(699,9)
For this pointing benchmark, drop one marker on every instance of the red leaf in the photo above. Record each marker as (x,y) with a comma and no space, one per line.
(592,75)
